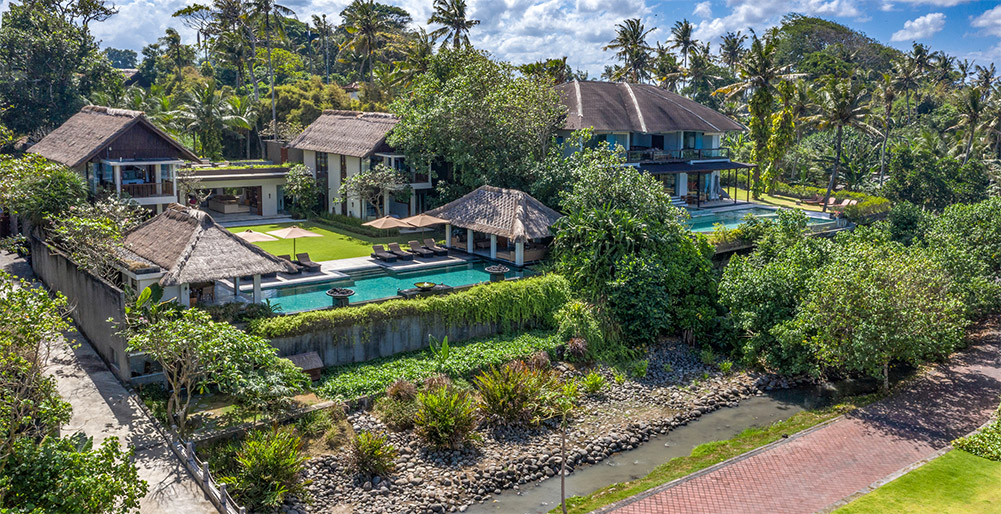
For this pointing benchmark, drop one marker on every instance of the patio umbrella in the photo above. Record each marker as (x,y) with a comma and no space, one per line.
(424,220)
(293,233)
(387,222)
(254,237)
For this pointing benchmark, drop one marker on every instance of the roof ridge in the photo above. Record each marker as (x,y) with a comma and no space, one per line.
(636,105)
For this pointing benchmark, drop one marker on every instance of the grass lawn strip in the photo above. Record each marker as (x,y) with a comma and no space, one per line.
(709,454)
(777,201)
(335,243)
(957,482)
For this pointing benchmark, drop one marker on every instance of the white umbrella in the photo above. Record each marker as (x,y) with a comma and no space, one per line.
(293,233)
(254,237)
(424,220)
(387,222)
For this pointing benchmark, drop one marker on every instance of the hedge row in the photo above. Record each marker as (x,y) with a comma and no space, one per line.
(867,204)
(508,303)
(351,224)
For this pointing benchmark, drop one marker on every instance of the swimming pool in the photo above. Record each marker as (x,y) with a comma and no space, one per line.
(704,221)
(379,284)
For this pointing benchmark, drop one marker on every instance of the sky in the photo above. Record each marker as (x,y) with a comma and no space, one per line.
(527,30)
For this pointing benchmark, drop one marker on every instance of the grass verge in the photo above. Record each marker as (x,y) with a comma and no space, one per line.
(711,453)
(777,201)
(335,243)
(957,482)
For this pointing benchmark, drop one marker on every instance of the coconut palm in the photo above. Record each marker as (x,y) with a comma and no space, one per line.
(985,77)
(666,69)
(970,106)
(271,12)
(632,50)
(732,49)
(242,116)
(325,31)
(905,76)
(885,94)
(205,114)
(965,68)
(922,58)
(451,15)
(682,40)
(368,28)
(416,49)
(841,103)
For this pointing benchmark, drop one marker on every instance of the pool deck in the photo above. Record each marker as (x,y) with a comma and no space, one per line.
(340,268)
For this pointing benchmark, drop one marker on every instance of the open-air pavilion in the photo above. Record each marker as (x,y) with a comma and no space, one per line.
(187,252)
(508,216)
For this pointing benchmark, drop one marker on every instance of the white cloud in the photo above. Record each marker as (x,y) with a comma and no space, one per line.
(703,10)
(920,28)
(936,3)
(990,21)
(759,14)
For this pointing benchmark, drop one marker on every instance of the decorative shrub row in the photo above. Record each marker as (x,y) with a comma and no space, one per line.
(867,205)
(509,304)
(349,223)
(372,377)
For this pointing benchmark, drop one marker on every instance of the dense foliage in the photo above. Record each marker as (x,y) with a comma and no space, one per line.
(509,304)
(447,417)
(266,470)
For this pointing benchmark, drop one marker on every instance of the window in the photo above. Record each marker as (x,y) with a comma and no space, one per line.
(321,161)
(689,141)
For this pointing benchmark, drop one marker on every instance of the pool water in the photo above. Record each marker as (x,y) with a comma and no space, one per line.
(731,219)
(378,285)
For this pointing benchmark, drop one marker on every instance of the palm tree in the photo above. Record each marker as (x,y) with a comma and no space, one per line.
(970,106)
(922,57)
(242,116)
(886,93)
(842,104)
(368,27)
(269,9)
(325,30)
(451,15)
(732,49)
(759,74)
(965,68)
(906,76)
(682,40)
(631,49)
(235,39)
(666,69)
(175,49)
(205,114)
(944,64)
(985,77)
(416,50)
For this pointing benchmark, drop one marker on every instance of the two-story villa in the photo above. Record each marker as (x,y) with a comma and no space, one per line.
(118,150)
(341,144)
(670,136)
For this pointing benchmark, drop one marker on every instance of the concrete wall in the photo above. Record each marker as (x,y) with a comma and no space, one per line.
(359,343)
(93,301)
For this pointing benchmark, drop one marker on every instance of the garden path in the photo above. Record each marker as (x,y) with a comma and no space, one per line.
(103,408)
(818,469)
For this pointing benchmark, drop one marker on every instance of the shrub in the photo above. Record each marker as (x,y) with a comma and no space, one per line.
(314,423)
(515,394)
(539,360)
(510,304)
(397,414)
(619,377)
(402,389)
(435,382)
(725,366)
(372,377)
(707,356)
(593,382)
(371,454)
(267,470)
(986,443)
(446,418)
(639,368)
(350,224)
(577,320)
(577,349)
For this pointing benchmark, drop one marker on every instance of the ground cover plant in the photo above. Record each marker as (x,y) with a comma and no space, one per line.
(372,377)
(335,243)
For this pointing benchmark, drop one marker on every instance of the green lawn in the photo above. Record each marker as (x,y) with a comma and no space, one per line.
(777,201)
(335,243)
(957,482)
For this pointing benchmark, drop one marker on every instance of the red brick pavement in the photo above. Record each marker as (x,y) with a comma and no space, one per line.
(812,471)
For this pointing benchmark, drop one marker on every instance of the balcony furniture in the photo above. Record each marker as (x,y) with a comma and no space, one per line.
(147,190)
(394,248)
(430,245)
(379,252)
(227,204)
(419,250)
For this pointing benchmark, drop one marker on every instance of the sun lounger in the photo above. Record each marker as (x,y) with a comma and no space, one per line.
(288,259)
(430,245)
(305,262)
(379,252)
(416,248)
(394,248)
(844,203)
(816,200)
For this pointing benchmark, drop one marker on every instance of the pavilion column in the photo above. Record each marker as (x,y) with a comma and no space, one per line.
(519,253)
(385,204)
(257,288)
(236,286)
(493,246)
(184,293)
(118,179)
(682,184)
(469,240)
(448,235)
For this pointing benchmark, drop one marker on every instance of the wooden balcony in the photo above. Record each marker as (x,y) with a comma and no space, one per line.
(657,155)
(149,190)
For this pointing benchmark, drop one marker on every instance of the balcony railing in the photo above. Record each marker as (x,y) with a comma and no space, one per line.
(658,155)
(149,190)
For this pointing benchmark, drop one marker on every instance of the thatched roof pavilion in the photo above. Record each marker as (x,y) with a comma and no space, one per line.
(193,248)
(508,213)
(353,133)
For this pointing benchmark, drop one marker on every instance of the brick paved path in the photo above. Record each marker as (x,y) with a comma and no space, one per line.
(812,471)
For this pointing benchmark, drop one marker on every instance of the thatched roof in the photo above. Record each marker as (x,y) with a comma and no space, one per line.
(307,361)
(192,247)
(91,130)
(358,134)
(502,212)
(619,106)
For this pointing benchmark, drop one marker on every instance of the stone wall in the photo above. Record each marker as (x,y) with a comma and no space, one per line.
(91,299)
(359,343)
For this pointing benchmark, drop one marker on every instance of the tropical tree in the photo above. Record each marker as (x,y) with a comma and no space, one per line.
(682,40)
(842,104)
(632,50)
(732,49)
(906,75)
(883,97)
(971,109)
(242,117)
(324,30)
(369,28)
(205,113)
(271,12)
(375,185)
(451,15)
(417,50)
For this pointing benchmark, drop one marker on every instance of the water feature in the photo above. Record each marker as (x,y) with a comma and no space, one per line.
(724,423)
(704,221)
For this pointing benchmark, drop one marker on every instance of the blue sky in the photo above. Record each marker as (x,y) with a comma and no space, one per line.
(526,30)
